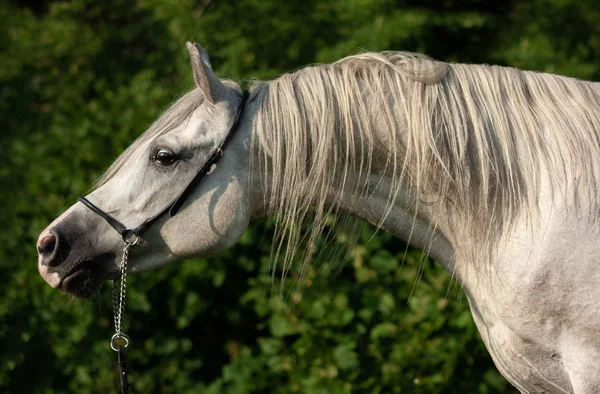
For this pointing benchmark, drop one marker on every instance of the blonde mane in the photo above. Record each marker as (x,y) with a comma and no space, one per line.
(473,140)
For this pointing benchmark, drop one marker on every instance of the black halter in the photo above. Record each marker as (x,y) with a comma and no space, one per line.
(130,234)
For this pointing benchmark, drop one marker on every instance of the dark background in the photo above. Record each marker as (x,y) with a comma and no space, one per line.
(79,80)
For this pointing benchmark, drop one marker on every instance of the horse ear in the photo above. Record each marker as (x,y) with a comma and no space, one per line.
(205,78)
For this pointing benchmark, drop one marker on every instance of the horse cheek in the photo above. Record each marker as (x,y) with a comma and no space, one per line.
(209,225)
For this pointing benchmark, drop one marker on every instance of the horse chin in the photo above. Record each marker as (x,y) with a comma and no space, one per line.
(86,276)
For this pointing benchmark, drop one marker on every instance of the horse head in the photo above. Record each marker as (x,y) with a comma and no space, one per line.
(80,248)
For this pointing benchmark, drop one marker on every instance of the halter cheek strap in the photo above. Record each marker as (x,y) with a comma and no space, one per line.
(130,235)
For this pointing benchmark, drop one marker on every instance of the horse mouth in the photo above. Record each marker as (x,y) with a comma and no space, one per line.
(84,278)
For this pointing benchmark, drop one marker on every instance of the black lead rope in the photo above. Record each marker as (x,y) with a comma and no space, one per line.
(122,361)
(120,341)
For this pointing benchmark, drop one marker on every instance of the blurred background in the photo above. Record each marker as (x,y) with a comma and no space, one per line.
(80,79)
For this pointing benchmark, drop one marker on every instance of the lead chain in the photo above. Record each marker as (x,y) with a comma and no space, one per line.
(120,339)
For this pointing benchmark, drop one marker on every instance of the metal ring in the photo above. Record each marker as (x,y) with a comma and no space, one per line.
(114,341)
(128,235)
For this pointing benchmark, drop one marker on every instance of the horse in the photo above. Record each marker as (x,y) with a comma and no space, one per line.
(492,171)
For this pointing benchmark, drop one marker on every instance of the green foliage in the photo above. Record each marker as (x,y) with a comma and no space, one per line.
(80,80)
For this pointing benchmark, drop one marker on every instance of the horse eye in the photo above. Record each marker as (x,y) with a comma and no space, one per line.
(164,157)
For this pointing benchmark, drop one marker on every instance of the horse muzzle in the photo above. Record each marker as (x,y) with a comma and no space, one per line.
(71,256)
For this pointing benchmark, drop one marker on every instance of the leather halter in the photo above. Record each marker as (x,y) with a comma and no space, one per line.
(131,235)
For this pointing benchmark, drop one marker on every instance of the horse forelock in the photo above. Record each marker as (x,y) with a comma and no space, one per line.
(476,139)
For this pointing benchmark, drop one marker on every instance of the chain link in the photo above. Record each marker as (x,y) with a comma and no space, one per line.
(119,294)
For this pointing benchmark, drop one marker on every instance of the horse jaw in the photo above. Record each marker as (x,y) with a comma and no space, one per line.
(214,220)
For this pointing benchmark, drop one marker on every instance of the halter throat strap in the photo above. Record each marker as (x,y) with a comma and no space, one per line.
(130,235)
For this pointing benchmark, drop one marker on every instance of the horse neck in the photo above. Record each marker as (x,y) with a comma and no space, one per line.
(363,193)
(311,128)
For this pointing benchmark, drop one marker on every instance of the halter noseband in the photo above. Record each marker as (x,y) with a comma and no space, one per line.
(132,235)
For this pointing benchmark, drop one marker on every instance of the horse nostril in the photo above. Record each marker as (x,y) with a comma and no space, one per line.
(47,244)
(47,247)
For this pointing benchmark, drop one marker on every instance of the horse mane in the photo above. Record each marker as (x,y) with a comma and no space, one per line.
(473,142)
